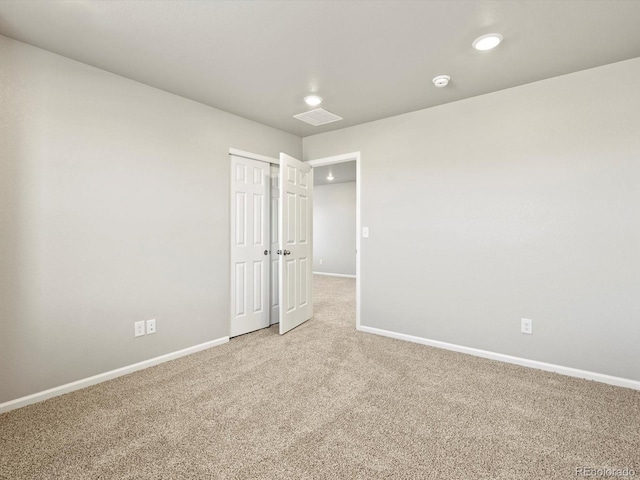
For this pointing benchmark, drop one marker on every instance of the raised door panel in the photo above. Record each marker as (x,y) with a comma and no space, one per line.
(250,267)
(296,193)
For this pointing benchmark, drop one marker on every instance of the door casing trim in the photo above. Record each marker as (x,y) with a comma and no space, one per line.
(253,156)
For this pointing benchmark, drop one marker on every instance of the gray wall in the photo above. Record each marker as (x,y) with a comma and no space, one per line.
(113,208)
(334,228)
(520,203)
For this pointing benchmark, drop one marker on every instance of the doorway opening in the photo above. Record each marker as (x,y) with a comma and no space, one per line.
(337,189)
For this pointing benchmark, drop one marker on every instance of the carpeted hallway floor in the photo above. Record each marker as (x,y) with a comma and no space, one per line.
(352,406)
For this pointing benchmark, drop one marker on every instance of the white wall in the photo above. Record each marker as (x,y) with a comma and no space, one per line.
(520,203)
(113,208)
(334,228)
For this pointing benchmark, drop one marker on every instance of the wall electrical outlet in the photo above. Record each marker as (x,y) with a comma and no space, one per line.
(526,326)
(138,328)
(151,326)
(320,261)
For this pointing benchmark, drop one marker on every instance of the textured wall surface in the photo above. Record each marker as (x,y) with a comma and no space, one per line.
(334,228)
(517,204)
(114,207)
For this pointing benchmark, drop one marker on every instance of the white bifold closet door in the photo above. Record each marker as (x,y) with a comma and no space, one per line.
(271,244)
(250,245)
(295,229)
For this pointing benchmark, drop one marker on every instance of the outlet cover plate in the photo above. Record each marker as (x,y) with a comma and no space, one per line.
(151,326)
(526,326)
(138,328)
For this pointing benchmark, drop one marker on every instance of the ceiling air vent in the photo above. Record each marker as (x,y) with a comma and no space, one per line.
(318,117)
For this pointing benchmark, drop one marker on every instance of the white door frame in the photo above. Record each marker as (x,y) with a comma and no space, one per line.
(349,157)
(345,157)
(252,156)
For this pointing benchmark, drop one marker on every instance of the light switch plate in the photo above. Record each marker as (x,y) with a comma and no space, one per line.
(365,232)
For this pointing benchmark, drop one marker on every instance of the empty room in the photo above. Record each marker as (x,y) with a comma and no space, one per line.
(319,239)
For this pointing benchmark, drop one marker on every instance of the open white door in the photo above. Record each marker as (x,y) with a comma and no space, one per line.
(296,242)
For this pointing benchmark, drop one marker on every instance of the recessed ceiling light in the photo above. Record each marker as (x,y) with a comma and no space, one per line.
(487,42)
(441,81)
(330,177)
(313,100)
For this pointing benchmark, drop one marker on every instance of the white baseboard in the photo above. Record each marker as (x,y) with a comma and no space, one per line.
(334,274)
(103,377)
(549,367)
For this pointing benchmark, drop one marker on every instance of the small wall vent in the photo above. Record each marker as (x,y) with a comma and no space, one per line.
(318,117)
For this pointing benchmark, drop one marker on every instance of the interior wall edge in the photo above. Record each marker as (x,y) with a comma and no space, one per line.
(500,357)
(106,376)
(329,274)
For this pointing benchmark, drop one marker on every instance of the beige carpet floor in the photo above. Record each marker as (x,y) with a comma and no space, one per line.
(325,401)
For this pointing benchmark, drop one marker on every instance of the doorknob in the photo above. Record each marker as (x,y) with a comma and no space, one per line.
(279,252)
(287,252)
(267,252)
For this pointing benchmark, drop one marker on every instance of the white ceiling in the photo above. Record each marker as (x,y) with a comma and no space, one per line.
(342,173)
(368,59)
